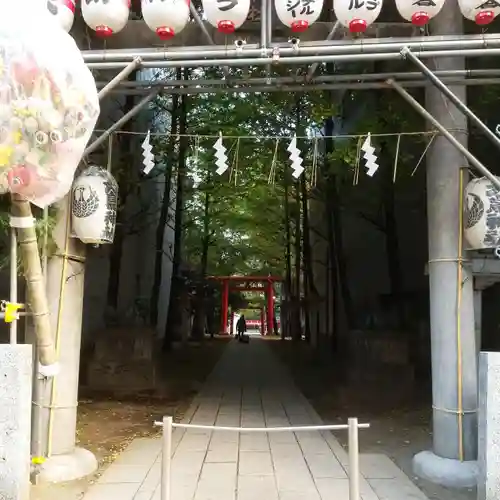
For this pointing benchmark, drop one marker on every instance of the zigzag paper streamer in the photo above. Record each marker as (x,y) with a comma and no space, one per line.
(148,157)
(220,154)
(371,164)
(295,158)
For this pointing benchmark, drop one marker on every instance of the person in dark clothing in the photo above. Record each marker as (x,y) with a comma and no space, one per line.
(241,326)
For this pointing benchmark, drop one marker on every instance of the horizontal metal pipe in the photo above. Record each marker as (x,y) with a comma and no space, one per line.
(261,61)
(298,428)
(361,46)
(310,88)
(413,75)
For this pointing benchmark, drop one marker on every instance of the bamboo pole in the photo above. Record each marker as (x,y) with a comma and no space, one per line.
(35,283)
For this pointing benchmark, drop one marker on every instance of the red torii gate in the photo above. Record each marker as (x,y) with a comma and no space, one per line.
(263,284)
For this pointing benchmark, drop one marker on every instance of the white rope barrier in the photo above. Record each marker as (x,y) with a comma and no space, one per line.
(352,427)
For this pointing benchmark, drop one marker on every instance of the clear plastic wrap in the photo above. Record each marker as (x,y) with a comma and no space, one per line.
(48,104)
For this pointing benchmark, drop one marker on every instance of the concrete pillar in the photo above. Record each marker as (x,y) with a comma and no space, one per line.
(65,461)
(452,461)
(15,421)
(478,317)
(488,484)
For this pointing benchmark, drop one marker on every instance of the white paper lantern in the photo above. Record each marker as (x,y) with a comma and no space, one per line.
(482,214)
(298,14)
(480,11)
(226,15)
(105,17)
(63,11)
(419,12)
(165,17)
(357,15)
(94,205)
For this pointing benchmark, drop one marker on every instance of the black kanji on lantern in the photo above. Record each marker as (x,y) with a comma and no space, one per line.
(358,4)
(305,7)
(225,5)
(425,3)
(489,4)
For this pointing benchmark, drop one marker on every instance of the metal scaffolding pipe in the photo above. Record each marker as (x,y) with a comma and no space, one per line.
(124,119)
(206,34)
(122,75)
(263,27)
(308,88)
(407,54)
(450,137)
(269,22)
(315,65)
(262,61)
(364,46)
(356,77)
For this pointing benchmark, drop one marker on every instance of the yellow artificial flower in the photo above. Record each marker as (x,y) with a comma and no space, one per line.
(5,154)
(16,137)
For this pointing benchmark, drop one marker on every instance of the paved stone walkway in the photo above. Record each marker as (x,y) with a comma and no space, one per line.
(250,387)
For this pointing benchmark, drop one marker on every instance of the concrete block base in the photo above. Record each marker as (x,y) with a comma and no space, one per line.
(445,471)
(15,420)
(68,467)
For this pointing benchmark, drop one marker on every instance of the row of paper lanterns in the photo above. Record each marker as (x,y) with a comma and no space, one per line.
(168,18)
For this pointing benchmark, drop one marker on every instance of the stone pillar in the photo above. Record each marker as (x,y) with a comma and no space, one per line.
(478,317)
(15,421)
(452,461)
(488,484)
(65,461)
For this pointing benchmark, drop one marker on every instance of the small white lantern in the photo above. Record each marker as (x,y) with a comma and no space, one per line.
(63,11)
(94,205)
(226,15)
(482,214)
(105,17)
(480,11)
(298,14)
(419,12)
(357,15)
(165,17)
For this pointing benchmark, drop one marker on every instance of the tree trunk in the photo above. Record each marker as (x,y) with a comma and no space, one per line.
(115,262)
(175,315)
(116,253)
(199,321)
(297,323)
(391,237)
(163,219)
(337,258)
(286,328)
(308,277)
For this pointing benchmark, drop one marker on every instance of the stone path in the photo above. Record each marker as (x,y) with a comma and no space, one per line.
(250,387)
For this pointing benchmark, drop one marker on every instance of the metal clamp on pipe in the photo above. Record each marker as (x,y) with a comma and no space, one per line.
(276,55)
(239,44)
(295,43)
(10,310)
